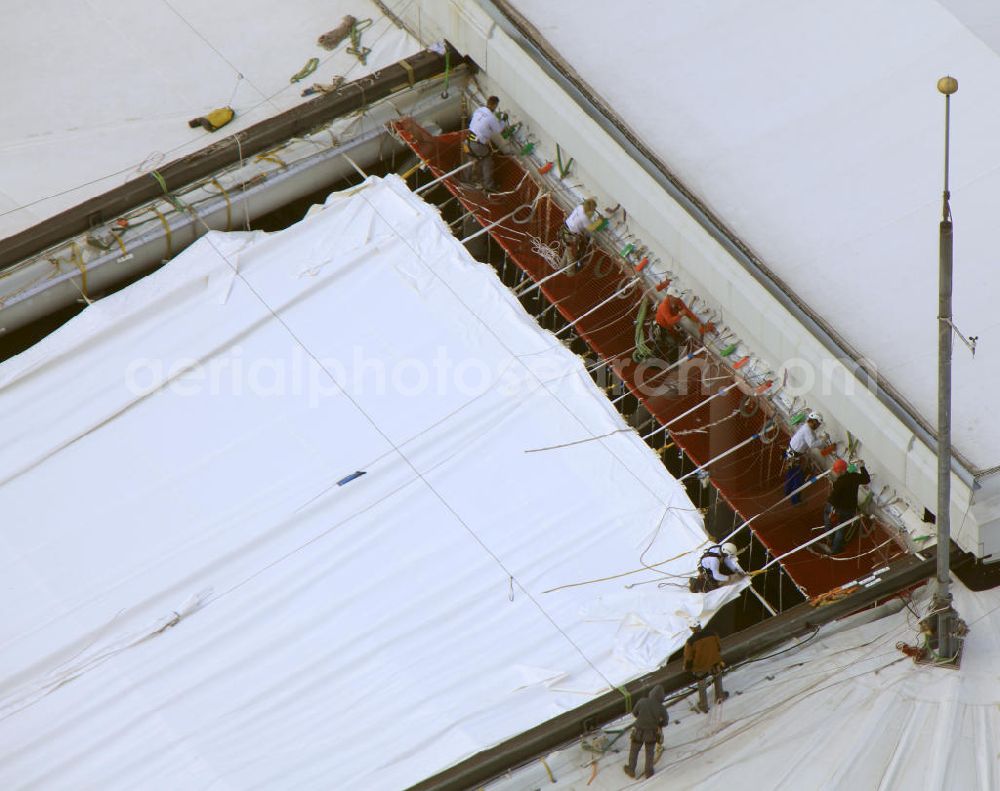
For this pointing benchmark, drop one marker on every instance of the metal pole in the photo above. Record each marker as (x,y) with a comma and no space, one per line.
(942,596)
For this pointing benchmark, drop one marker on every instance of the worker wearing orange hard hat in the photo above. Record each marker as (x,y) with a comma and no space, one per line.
(843,503)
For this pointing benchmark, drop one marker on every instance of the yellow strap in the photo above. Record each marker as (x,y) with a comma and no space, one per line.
(409,72)
(77,259)
(548,771)
(229,203)
(121,244)
(413,170)
(271,157)
(166,227)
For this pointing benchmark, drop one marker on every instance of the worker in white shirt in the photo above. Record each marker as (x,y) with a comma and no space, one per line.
(575,232)
(483,126)
(717,566)
(796,458)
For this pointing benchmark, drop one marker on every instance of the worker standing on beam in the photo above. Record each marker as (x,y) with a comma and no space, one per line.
(575,232)
(650,718)
(843,503)
(483,126)
(797,456)
(703,658)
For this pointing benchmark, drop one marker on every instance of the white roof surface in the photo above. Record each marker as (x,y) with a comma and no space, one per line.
(190,598)
(97,92)
(845,710)
(815,131)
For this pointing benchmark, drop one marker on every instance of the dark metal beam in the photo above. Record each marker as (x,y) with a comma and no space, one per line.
(225,152)
(746,644)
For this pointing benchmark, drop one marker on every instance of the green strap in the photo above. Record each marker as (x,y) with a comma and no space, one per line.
(563,169)
(642,350)
(628,699)
(361,53)
(311,65)
(447,72)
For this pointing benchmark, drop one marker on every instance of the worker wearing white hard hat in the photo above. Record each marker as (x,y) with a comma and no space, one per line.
(802,441)
(721,563)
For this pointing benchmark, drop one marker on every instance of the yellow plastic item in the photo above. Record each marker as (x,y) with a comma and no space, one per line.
(220,117)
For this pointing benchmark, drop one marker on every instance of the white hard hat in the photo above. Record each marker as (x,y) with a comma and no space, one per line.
(729,548)
(815,416)
(694,623)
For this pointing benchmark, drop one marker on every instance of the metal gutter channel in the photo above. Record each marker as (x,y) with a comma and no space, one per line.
(225,152)
(746,644)
(46,292)
(515,26)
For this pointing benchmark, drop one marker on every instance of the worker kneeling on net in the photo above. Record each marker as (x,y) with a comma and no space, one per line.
(718,566)
(796,457)
(843,503)
(484,124)
(575,232)
(650,718)
(703,658)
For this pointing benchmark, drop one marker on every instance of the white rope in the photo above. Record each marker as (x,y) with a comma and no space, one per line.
(788,496)
(810,542)
(707,426)
(722,455)
(696,407)
(658,374)
(439,179)
(544,279)
(486,228)
(598,306)
(550,254)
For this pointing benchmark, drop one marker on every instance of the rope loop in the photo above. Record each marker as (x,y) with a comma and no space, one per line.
(749,406)
(769,433)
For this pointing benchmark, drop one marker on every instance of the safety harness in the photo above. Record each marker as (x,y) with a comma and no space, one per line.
(704,581)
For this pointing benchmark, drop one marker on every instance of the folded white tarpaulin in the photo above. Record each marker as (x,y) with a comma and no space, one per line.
(201,588)
(846,709)
(101,91)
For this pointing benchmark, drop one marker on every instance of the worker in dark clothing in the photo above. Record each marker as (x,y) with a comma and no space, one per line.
(650,718)
(703,658)
(843,503)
